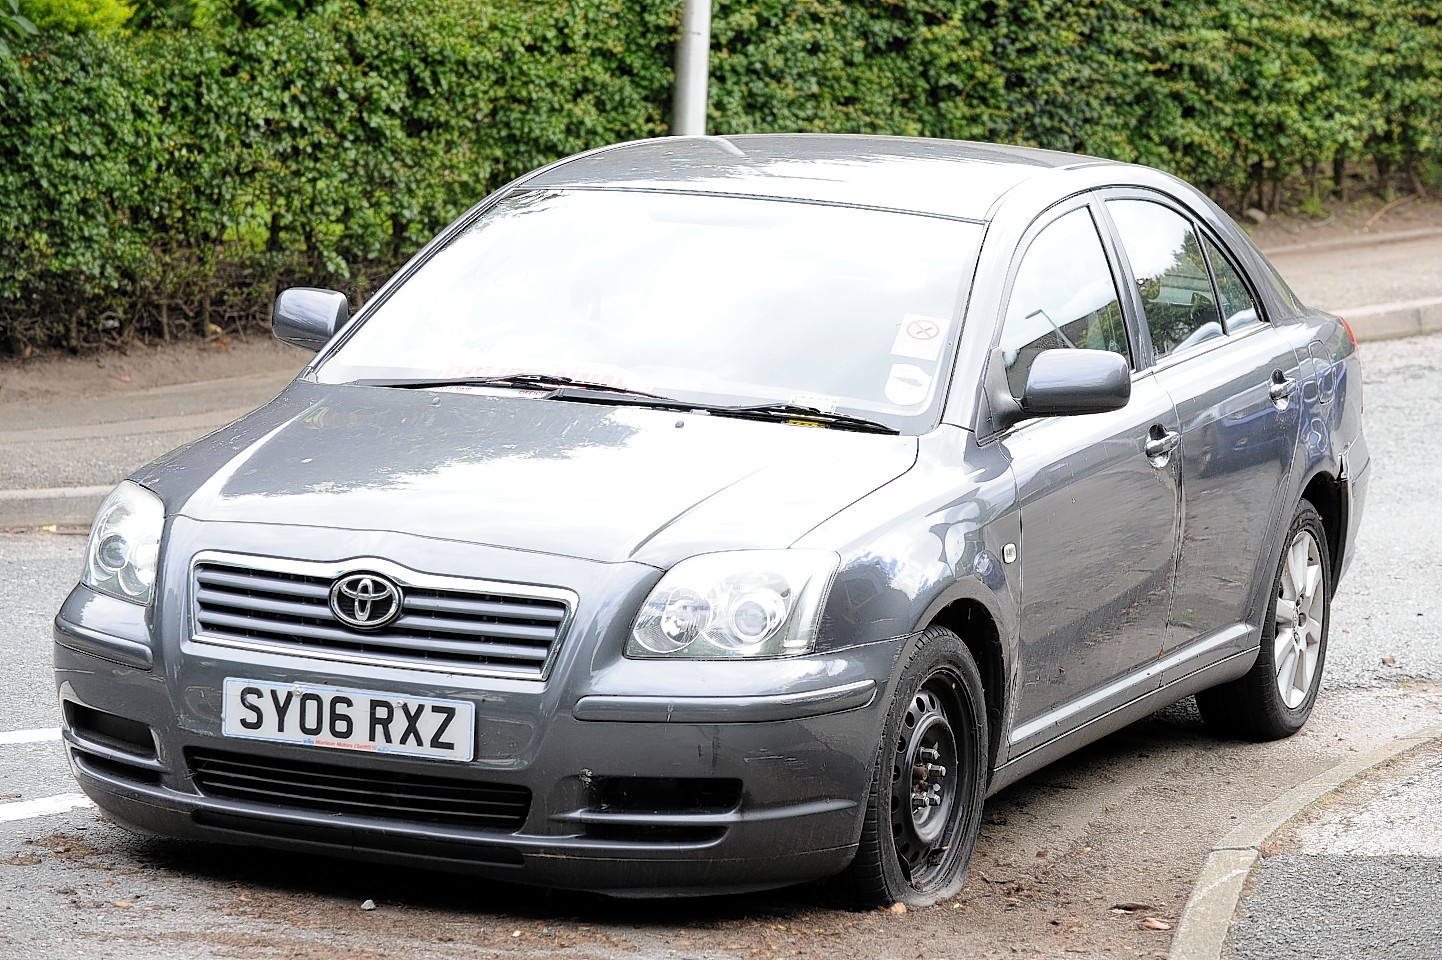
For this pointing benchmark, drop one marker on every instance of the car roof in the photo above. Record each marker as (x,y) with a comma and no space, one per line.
(946,178)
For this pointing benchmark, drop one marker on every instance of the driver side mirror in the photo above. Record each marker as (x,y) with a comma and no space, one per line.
(307,317)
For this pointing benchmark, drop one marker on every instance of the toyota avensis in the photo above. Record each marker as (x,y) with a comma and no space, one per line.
(711,514)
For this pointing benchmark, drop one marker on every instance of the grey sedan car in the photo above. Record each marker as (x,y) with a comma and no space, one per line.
(712,514)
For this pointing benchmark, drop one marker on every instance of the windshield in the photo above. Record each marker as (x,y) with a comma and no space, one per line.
(704,298)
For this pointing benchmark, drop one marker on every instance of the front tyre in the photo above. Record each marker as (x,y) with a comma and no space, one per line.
(1274,699)
(924,809)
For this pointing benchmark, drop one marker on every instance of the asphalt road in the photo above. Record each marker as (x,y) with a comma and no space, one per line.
(74,886)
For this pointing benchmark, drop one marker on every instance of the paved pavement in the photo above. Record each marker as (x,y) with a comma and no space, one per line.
(1360,873)
(1340,881)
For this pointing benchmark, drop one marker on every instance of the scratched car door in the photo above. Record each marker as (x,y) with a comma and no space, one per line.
(1234,379)
(1099,515)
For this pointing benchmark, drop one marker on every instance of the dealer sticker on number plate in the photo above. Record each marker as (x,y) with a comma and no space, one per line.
(344,719)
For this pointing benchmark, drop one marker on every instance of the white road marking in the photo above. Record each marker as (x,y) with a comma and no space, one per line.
(44,807)
(29,736)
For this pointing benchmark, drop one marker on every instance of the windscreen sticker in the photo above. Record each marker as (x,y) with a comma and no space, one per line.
(819,402)
(919,337)
(490,391)
(907,384)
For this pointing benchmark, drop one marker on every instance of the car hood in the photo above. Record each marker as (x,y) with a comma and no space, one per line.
(599,482)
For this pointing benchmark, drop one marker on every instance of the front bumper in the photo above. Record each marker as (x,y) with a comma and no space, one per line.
(745,776)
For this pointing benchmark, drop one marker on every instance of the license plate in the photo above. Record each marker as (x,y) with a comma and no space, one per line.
(343,719)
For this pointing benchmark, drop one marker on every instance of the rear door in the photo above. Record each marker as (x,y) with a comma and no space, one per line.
(1234,380)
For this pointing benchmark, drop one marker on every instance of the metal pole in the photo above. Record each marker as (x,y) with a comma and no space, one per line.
(693,51)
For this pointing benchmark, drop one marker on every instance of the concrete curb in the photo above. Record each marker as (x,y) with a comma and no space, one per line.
(1207,917)
(1393,321)
(59,506)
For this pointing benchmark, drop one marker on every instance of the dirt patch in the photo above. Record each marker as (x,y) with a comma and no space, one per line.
(1364,220)
(100,375)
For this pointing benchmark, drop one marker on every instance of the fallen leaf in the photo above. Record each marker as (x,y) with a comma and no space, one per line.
(1155,923)
(898,908)
(1131,906)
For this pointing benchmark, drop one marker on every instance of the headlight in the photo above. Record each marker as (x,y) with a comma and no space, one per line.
(745,603)
(124,545)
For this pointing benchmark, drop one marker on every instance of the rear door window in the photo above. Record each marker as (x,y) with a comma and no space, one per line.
(1171,275)
(1239,308)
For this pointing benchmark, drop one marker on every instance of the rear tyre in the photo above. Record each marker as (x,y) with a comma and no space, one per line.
(1275,699)
(923,811)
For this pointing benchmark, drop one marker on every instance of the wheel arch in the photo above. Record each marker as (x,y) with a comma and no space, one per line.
(1328,494)
(970,620)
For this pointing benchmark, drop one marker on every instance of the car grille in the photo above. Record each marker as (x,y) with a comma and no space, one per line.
(390,795)
(444,623)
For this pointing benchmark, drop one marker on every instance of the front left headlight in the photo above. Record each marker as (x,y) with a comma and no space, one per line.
(737,604)
(124,546)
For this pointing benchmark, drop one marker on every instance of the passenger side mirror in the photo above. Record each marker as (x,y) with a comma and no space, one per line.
(308,317)
(1072,382)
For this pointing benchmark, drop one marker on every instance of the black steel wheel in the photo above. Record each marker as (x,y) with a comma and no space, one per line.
(924,809)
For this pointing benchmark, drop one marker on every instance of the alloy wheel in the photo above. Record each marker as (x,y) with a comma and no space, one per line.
(1300,613)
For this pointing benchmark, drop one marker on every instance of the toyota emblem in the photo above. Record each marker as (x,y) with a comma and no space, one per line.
(365,601)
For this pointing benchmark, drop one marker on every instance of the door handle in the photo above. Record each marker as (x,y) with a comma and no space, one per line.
(1162,442)
(1282,386)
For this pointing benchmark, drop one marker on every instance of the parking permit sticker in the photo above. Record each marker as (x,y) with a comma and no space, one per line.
(819,402)
(907,384)
(919,337)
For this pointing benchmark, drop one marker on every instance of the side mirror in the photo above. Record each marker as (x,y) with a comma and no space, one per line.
(1071,382)
(307,317)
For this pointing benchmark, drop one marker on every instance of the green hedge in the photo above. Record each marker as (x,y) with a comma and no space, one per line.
(157,182)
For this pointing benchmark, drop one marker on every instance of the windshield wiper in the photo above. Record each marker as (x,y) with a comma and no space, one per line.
(521,381)
(793,411)
(585,391)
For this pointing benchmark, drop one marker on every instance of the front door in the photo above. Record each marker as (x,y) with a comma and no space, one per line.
(1099,515)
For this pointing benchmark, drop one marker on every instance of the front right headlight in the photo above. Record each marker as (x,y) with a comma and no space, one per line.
(124,546)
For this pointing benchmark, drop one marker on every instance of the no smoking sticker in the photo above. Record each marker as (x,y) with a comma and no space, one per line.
(919,337)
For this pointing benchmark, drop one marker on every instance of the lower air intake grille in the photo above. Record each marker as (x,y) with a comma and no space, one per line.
(389,795)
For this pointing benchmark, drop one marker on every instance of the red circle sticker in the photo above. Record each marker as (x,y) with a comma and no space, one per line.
(922,330)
